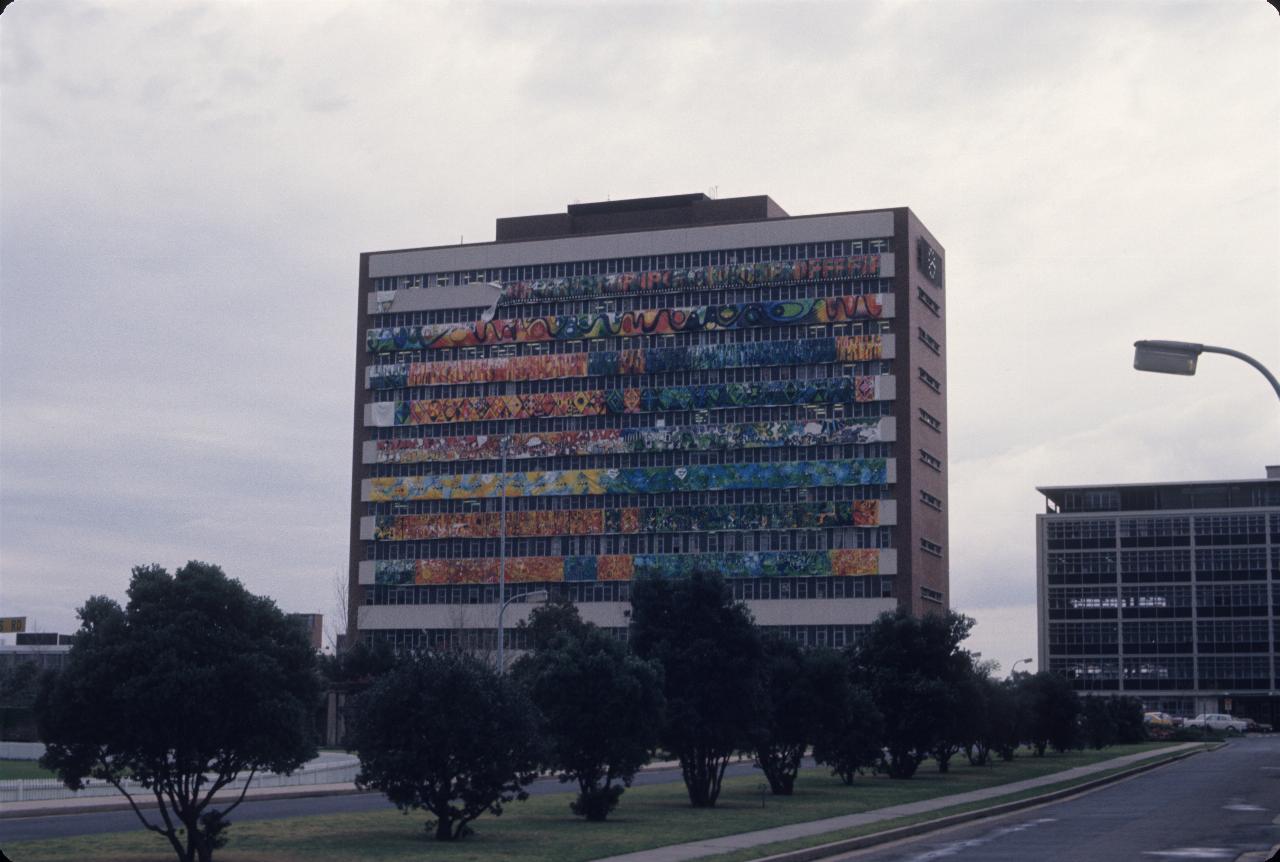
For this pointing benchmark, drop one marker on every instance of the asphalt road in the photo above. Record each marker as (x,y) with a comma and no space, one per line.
(1215,805)
(65,825)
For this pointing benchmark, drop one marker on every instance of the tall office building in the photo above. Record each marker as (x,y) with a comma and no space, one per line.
(1169,592)
(648,388)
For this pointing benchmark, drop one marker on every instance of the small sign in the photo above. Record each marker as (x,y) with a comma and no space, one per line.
(9,625)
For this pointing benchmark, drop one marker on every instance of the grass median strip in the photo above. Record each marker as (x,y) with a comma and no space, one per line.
(543,830)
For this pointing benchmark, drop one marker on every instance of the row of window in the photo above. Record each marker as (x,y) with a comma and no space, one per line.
(1222,600)
(754,589)
(1166,672)
(674,418)
(1242,529)
(754,455)
(518,638)
(647,301)
(661,379)
(645,263)
(735,496)
(702,337)
(1249,635)
(820,539)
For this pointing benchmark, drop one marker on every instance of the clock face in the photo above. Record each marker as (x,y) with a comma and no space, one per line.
(929,261)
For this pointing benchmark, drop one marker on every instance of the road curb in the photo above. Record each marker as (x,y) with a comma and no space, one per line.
(863,842)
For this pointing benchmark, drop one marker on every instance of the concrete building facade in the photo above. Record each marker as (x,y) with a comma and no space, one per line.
(647,388)
(1169,592)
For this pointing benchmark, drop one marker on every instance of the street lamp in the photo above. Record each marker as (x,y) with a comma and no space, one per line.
(533,596)
(1179,357)
(1014,669)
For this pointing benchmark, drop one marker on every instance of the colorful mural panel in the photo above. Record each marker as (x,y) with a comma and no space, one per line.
(805,351)
(599,402)
(585,522)
(625,324)
(631,480)
(625,567)
(771,272)
(621,441)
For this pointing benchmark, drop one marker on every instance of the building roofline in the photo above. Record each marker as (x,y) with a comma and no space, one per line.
(509,242)
(1046,489)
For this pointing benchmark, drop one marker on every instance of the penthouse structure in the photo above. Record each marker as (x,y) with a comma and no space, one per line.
(1169,592)
(646,388)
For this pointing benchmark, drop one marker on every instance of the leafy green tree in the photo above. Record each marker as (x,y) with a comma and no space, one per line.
(849,728)
(1126,714)
(911,667)
(194,683)
(794,701)
(1097,723)
(601,707)
(1051,708)
(710,654)
(444,732)
(1006,719)
(552,620)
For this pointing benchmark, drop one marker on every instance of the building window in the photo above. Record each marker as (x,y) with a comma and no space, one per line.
(929,380)
(928,302)
(929,500)
(931,460)
(929,341)
(930,595)
(929,419)
(930,547)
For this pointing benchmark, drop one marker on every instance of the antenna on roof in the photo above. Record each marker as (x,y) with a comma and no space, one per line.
(715,191)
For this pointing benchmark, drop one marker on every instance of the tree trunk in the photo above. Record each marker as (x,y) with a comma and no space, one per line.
(444,829)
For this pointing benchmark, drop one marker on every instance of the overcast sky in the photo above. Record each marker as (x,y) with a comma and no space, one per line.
(185,189)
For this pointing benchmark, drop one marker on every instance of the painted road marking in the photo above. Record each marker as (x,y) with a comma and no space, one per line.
(958,846)
(1194,853)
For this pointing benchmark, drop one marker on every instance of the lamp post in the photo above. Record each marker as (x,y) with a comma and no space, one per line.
(535,596)
(1179,357)
(1014,669)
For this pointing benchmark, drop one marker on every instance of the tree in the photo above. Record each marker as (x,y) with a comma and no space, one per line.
(1098,724)
(1051,708)
(444,732)
(710,655)
(1126,713)
(796,701)
(911,667)
(1005,718)
(550,621)
(601,707)
(192,684)
(849,728)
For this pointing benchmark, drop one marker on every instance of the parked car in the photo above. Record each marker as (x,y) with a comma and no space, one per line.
(1218,721)
(1155,720)
(1258,726)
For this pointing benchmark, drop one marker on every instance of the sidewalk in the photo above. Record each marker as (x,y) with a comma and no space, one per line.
(117,802)
(745,840)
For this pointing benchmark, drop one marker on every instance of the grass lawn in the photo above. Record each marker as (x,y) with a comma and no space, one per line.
(11,769)
(543,830)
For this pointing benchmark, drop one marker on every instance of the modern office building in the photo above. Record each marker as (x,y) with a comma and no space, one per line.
(1169,592)
(648,388)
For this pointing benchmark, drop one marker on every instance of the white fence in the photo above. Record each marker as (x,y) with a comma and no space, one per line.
(38,789)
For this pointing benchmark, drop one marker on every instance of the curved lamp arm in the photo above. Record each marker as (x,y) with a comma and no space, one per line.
(1179,357)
